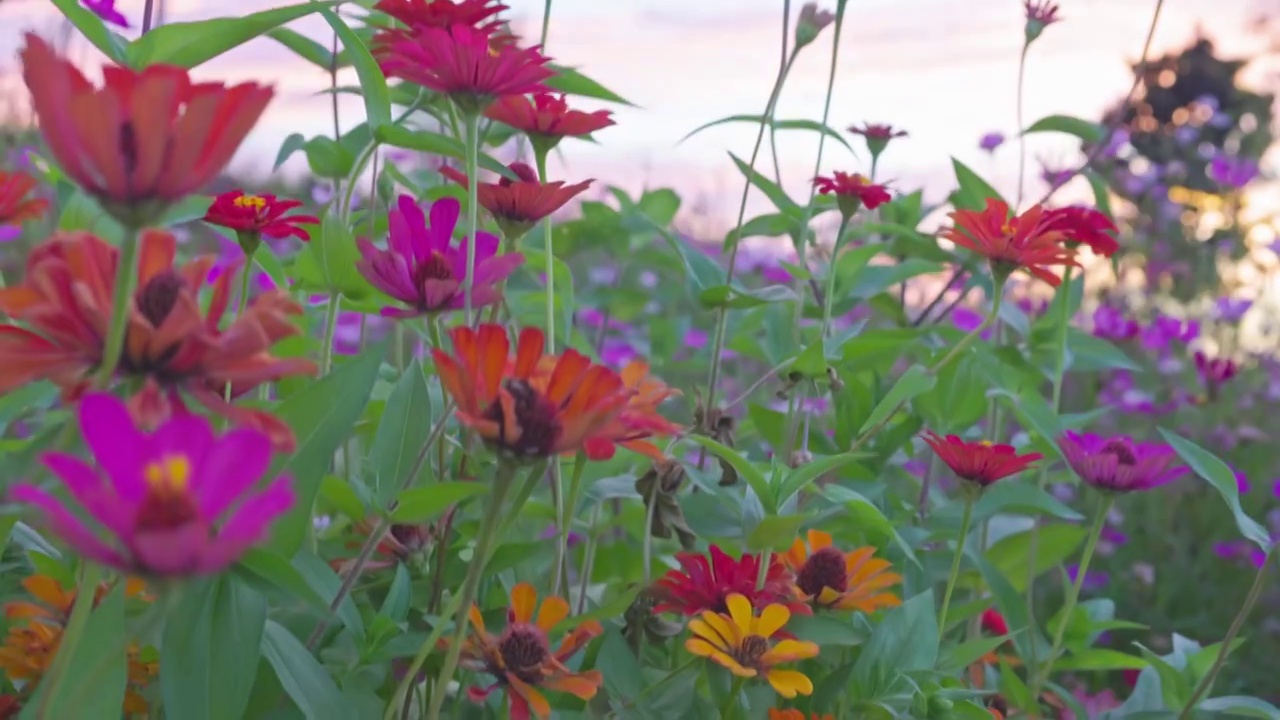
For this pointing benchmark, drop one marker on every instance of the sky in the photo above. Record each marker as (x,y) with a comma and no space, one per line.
(944,70)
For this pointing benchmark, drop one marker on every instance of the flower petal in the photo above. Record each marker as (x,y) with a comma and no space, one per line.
(67,526)
(553,610)
(524,598)
(789,683)
(235,462)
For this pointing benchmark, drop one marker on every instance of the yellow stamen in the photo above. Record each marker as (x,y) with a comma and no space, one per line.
(250,201)
(171,473)
(987,443)
(1008,228)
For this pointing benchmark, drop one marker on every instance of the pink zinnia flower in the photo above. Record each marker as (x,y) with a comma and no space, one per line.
(423,269)
(1119,464)
(177,501)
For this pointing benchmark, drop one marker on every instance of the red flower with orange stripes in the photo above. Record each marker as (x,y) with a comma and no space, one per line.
(1029,241)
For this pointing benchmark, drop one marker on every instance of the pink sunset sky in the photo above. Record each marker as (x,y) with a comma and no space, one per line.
(944,70)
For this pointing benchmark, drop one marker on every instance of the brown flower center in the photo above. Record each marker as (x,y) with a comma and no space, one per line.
(536,417)
(753,648)
(524,649)
(436,267)
(157,298)
(168,503)
(1122,450)
(824,569)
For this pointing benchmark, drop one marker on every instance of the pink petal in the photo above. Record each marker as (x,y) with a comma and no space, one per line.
(249,523)
(115,442)
(496,269)
(87,488)
(177,551)
(234,463)
(405,225)
(444,218)
(188,435)
(67,526)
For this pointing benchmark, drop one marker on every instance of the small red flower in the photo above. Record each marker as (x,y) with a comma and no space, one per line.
(852,191)
(877,131)
(1040,15)
(15,206)
(1085,226)
(547,115)
(463,63)
(979,462)
(258,215)
(1025,241)
(517,205)
(993,622)
(703,584)
(149,136)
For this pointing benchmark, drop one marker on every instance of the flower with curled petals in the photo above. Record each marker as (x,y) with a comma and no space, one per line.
(15,207)
(981,463)
(741,642)
(174,503)
(517,205)
(546,118)
(829,578)
(143,140)
(1119,464)
(521,657)
(703,582)
(640,419)
(852,191)
(1028,241)
(1040,14)
(877,135)
(423,268)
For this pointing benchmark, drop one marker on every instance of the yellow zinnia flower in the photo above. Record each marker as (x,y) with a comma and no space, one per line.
(740,642)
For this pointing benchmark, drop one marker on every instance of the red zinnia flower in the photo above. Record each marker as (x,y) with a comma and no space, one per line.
(1028,241)
(464,64)
(517,205)
(993,622)
(147,136)
(521,410)
(701,584)
(877,135)
(1085,226)
(443,13)
(546,117)
(253,216)
(852,191)
(979,462)
(15,207)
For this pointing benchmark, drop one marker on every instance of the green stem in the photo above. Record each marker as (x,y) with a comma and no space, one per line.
(1259,581)
(548,250)
(86,591)
(828,298)
(647,544)
(397,347)
(406,683)
(485,536)
(473,208)
(1022,135)
(125,285)
(589,560)
(955,562)
(565,508)
(546,24)
(330,329)
(732,697)
(1073,595)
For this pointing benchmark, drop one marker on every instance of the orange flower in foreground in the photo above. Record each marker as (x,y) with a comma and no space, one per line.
(517,205)
(521,657)
(639,418)
(525,412)
(793,714)
(15,206)
(829,578)
(146,136)
(1030,241)
(64,305)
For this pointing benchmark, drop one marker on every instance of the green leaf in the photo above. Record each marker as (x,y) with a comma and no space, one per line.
(326,157)
(188,44)
(404,427)
(302,676)
(1087,130)
(1240,706)
(291,145)
(1101,192)
(571,82)
(974,191)
(536,261)
(1100,659)
(1208,466)
(1010,602)
(701,271)
(776,194)
(328,262)
(277,571)
(747,469)
(1088,353)
(1024,497)
(423,504)
(321,417)
(1174,687)
(867,516)
(304,47)
(210,649)
(192,207)
(1033,411)
(809,125)
(436,144)
(325,583)
(94,30)
(958,657)
(1056,543)
(914,381)
(906,640)
(373,85)
(828,629)
(737,299)
(802,476)
(95,672)
(774,533)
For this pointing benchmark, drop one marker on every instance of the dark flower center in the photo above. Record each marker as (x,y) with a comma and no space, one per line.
(168,503)
(412,537)
(524,650)
(753,647)
(536,417)
(824,569)
(435,267)
(1122,450)
(157,298)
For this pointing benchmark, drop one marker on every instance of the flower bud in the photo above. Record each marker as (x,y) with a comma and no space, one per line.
(811,23)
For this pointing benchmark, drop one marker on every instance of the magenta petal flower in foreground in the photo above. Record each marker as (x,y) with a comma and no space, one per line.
(175,502)
(1119,464)
(424,269)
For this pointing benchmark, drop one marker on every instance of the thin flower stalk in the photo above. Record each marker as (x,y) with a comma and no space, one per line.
(965,522)
(472,119)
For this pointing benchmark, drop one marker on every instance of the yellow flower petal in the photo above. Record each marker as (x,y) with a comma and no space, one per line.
(523,600)
(707,632)
(700,647)
(732,665)
(740,611)
(724,628)
(772,618)
(789,683)
(789,651)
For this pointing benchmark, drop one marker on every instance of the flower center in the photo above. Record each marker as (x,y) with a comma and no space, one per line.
(824,569)
(524,649)
(157,297)
(168,503)
(1121,450)
(1008,228)
(535,416)
(435,267)
(753,648)
(250,201)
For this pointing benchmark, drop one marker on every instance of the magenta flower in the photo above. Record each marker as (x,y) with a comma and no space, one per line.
(1111,324)
(1214,371)
(177,501)
(991,141)
(1119,464)
(422,267)
(106,9)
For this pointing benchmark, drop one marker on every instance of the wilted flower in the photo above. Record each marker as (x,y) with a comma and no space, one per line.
(521,657)
(146,138)
(424,269)
(1040,14)
(877,135)
(256,216)
(852,192)
(546,118)
(642,623)
(811,22)
(176,502)
(991,141)
(15,207)
(517,205)
(739,641)
(1119,464)
(1026,241)
(827,577)
(982,462)
(1085,226)
(703,584)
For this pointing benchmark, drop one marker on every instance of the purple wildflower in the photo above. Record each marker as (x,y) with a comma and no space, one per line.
(1233,172)
(1230,310)
(991,141)
(1118,463)
(1165,330)
(1110,323)
(1094,580)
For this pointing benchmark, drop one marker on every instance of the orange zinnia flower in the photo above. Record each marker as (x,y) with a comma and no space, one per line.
(518,205)
(15,206)
(147,136)
(521,411)
(793,714)
(1031,240)
(639,418)
(64,304)
(55,601)
(521,657)
(829,578)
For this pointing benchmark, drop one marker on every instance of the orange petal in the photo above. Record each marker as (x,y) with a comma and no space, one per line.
(818,540)
(553,610)
(583,685)
(537,703)
(523,601)
(156,251)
